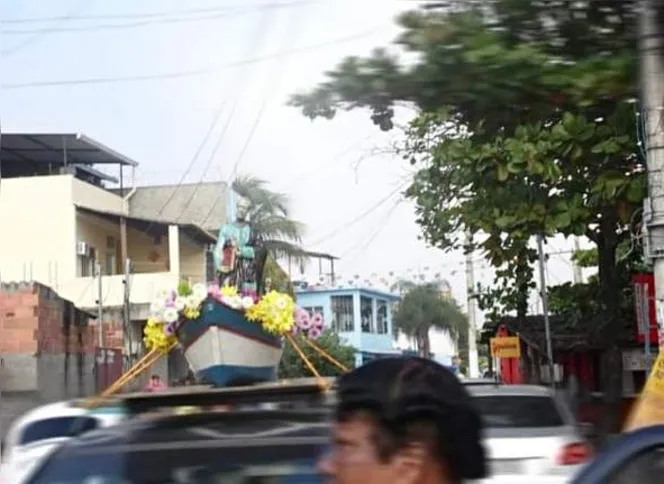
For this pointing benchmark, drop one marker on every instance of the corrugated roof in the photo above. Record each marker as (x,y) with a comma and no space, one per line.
(55,148)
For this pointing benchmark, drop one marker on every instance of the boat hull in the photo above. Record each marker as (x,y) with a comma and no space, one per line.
(223,348)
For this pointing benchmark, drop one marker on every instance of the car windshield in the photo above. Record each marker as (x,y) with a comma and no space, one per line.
(56,427)
(174,463)
(518,411)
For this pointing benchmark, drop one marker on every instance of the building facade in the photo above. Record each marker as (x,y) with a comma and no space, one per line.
(362,317)
(60,217)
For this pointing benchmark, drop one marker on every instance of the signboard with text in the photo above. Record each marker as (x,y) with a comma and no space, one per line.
(506,347)
(645,307)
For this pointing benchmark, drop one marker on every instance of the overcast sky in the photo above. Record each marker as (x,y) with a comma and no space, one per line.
(243,62)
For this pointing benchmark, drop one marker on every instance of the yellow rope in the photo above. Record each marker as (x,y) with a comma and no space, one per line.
(308,363)
(327,356)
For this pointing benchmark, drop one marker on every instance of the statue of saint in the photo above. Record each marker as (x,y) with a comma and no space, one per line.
(239,255)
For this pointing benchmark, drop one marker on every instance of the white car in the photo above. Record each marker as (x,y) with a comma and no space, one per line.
(33,436)
(529,431)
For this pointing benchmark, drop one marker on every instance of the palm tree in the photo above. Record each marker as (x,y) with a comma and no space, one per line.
(423,308)
(270,218)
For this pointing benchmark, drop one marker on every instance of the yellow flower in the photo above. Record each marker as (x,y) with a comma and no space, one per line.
(154,336)
(228,291)
(274,311)
(191,313)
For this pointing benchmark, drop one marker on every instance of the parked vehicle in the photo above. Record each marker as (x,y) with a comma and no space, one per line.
(33,437)
(529,430)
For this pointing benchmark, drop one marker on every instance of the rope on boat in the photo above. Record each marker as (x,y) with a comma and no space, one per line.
(327,356)
(321,381)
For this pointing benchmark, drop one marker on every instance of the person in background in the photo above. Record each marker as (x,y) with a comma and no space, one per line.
(155,384)
(404,421)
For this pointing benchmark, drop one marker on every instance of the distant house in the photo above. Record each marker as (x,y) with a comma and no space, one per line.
(361,316)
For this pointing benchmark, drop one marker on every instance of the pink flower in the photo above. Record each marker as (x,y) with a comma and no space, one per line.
(250,293)
(314,333)
(317,320)
(302,319)
(295,330)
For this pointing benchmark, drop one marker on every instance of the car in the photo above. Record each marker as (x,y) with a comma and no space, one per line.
(264,431)
(529,430)
(635,457)
(33,436)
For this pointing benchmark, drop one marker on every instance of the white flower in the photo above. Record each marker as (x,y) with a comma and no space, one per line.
(157,309)
(171,315)
(246,302)
(192,302)
(227,300)
(164,294)
(200,292)
(180,303)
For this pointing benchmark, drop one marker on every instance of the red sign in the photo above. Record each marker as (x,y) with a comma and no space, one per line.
(644,305)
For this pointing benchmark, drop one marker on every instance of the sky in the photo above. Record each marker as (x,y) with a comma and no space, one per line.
(169,68)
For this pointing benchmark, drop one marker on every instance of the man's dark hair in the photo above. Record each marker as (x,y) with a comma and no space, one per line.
(415,399)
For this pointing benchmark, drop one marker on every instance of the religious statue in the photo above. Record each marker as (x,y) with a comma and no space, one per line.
(239,256)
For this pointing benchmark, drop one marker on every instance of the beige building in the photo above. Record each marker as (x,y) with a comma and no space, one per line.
(58,218)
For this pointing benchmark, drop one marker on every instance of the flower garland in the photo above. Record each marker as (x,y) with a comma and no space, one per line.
(276,312)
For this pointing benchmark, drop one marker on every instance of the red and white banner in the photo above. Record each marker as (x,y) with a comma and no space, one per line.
(646,309)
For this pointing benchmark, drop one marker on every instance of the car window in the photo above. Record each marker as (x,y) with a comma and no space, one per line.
(184,463)
(56,427)
(644,468)
(517,411)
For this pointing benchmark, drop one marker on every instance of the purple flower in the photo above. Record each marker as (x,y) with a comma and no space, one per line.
(317,320)
(314,333)
(170,328)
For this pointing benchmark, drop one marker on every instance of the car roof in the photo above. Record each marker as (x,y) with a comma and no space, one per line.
(510,390)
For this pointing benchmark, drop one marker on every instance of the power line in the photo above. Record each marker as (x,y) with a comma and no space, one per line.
(164,19)
(361,216)
(273,82)
(189,73)
(160,14)
(380,227)
(239,79)
(38,34)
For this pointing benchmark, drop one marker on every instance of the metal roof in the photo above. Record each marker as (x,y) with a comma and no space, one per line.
(59,148)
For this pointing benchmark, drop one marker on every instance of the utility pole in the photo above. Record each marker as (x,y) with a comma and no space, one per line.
(473,360)
(100,305)
(578,272)
(545,306)
(126,321)
(651,47)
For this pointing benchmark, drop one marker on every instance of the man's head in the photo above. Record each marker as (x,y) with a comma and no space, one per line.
(242,208)
(404,421)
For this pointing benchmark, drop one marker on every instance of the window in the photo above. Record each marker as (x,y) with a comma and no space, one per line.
(381,316)
(645,468)
(111,256)
(366,315)
(343,318)
(56,428)
(517,411)
(191,462)
(85,264)
(314,309)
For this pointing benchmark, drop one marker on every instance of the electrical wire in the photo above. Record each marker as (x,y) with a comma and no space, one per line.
(191,73)
(239,82)
(361,216)
(39,33)
(152,15)
(272,84)
(159,21)
(380,227)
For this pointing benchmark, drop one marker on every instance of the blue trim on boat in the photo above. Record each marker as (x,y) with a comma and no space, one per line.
(222,375)
(213,313)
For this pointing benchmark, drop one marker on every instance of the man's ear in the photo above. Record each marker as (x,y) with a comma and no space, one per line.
(410,463)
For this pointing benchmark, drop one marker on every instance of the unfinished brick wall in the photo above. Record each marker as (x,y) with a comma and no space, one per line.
(41,358)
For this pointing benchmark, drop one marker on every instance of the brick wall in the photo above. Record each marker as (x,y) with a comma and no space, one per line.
(41,357)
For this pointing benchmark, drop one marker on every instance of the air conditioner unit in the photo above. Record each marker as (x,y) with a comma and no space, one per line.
(82,248)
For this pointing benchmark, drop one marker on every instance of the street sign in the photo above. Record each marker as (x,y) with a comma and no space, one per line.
(505,347)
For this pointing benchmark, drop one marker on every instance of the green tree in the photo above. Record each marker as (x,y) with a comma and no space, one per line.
(271,218)
(524,129)
(422,309)
(292,366)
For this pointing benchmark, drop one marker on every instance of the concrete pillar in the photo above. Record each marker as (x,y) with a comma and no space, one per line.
(174,249)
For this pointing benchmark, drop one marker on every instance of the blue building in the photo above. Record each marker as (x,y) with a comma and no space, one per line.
(363,317)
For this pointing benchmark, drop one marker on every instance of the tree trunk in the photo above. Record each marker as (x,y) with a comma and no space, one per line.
(611,376)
